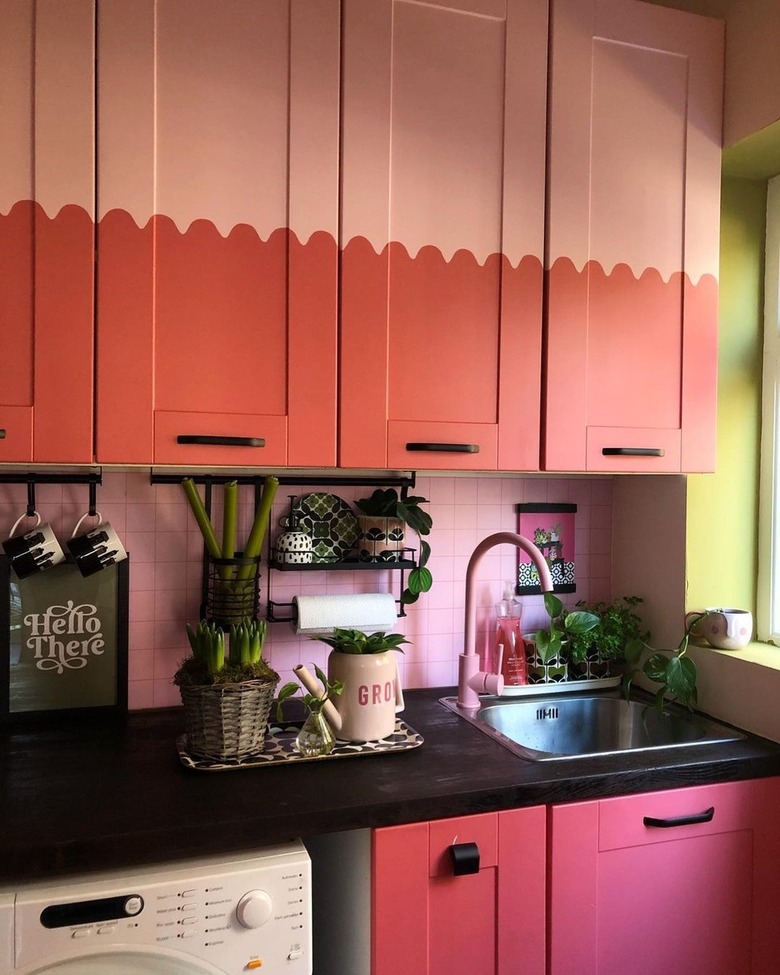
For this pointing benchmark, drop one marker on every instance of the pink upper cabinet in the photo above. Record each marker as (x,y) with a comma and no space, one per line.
(632,251)
(47,134)
(442,233)
(218,209)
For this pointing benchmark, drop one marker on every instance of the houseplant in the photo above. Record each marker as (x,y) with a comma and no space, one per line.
(226,698)
(372,692)
(673,670)
(549,663)
(592,653)
(386,504)
(316,737)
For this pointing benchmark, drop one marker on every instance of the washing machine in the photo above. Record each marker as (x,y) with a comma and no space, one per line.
(216,916)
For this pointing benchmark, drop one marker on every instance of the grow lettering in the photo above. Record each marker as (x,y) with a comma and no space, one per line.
(65,636)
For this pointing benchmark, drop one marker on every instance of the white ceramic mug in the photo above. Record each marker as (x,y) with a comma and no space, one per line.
(372,694)
(723,628)
(35,550)
(98,548)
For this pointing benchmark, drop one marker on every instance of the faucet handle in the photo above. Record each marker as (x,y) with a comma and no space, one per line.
(484,683)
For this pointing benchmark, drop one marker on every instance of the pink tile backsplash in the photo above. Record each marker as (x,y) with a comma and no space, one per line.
(166,549)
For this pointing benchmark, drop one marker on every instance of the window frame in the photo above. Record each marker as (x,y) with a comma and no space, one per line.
(768,615)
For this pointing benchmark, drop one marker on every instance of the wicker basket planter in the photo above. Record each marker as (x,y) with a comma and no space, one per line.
(228,720)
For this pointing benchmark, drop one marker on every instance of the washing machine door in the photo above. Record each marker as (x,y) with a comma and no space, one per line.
(127,963)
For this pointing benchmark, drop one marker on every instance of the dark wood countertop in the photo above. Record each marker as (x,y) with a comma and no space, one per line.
(86,794)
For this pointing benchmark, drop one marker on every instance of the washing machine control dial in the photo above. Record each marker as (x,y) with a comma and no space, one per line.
(254,909)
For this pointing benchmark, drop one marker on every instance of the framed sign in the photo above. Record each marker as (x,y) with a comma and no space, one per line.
(551,528)
(63,641)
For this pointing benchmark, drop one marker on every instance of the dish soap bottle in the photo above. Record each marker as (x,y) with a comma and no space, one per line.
(509,647)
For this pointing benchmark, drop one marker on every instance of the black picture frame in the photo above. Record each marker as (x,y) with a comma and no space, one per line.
(99,638)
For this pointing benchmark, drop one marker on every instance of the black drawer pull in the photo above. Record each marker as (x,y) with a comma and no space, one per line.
(445,448)
(703,817)
(2,434)
(221,441)
(465,858)
(632,452)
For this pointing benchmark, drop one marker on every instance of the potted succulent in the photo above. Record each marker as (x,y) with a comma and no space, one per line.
(673,670)
(227,697)
(316,737)
(548,664)
(592,654)
(372,695)
(381,524)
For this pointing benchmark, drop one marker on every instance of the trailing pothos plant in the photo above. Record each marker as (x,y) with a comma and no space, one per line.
(673,670)
(563,626)
(385,503)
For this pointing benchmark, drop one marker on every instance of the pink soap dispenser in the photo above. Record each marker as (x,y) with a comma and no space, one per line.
(509,646)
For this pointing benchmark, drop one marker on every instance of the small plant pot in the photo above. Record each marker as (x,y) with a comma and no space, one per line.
(555,671)
(592,668)
(380,539)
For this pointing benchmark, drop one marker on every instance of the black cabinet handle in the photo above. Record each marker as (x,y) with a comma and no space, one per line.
(465,858)
(221,441)
(2,434)
(703,817)
(632,452)
(445,448)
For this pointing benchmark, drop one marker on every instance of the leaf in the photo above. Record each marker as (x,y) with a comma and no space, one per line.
(417,519)
(425,553)
(420,580)
(655,667)
(580,622)
(633,652)
(408,597)
(553,605)
(548,644)
(681,678)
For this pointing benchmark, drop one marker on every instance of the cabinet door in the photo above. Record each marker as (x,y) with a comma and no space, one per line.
(426,921)
(634,200)
(442,233)
(694,896)
(47,67)
(218,206)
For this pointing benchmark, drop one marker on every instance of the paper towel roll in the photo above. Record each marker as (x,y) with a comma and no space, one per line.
(370,611)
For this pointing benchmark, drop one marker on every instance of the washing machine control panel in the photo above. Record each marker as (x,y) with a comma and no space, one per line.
(249,913)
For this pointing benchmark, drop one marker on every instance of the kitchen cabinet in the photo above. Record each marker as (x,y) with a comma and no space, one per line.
(632,247)
(673,881)
(427,921)
(47,230)
(442,224)
(217,247)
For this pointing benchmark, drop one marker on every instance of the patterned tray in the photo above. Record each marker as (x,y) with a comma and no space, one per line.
(280,748)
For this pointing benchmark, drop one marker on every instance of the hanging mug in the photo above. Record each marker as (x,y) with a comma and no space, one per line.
(97,549)
(36,550)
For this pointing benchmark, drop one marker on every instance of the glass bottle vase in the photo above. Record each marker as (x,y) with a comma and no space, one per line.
(315,737)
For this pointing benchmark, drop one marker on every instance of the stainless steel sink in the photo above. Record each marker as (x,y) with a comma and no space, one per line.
(546,728)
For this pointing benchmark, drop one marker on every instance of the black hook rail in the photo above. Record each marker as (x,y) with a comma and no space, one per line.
(33,478)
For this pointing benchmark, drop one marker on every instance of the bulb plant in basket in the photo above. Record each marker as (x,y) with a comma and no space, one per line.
(227,689)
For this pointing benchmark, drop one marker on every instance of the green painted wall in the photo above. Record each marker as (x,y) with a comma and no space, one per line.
(722,508)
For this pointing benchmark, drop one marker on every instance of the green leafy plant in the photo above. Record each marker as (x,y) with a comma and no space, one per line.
(386,503)
(312,703)
(355,641)
(217,660)
(672,669)
(618,624)
(563,626)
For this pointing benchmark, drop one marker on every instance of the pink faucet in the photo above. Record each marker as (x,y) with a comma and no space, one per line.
(471,680)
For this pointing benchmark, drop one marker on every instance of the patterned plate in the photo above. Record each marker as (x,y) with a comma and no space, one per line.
(330,522)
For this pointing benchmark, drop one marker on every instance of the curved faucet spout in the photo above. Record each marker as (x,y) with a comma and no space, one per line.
(470,679)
